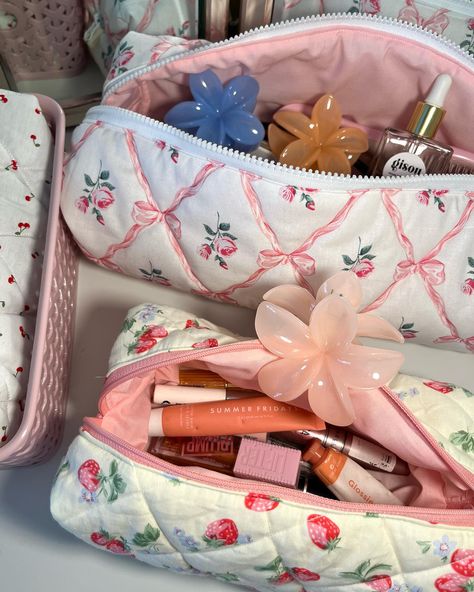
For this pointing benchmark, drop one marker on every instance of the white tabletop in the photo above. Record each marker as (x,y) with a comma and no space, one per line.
(35,553)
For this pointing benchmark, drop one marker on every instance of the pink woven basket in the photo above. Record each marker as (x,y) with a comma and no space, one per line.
(41,427)
(43,38)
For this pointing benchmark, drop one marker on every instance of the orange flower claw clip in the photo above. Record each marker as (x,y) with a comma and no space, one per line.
(314,341)
(317,142)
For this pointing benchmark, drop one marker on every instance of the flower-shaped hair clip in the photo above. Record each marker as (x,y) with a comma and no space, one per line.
(221,114)
(313,339)
(317,142)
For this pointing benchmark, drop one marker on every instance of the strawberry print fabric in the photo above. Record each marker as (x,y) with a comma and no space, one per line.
(25,171)
(243,534)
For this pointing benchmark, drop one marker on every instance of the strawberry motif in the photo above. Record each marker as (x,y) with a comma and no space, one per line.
(261,502)
(304,575)
(364,573)
(462,561)
(323,532)
(441,387)
(381,583)
(284,578)
(221,532)
(100,538)
(211,342)
(89,475)
(118,546)
(453,582)
(96,483)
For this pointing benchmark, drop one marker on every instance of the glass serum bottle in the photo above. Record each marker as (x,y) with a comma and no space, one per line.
(413,151)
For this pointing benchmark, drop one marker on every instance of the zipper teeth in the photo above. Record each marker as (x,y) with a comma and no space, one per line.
(134,369)
(264,163)
(258,163)
(281,26)
(245,485)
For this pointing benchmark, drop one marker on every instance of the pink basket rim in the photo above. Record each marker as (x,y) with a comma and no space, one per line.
(55,117)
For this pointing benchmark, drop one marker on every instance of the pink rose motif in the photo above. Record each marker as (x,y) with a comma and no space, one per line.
(470,24)
(82,204)
(468,286)
(225,246)
(102,197)
(310,205)
(409,334)
(144,345)
(370,6)
(288,193)
(211,342)
(363,268)
(423,197)
(154,332)
(204,250)
(123,58)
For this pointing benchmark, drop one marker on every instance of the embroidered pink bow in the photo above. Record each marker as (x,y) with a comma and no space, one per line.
(313,340)
(430,269)
(146,213)
(302,261)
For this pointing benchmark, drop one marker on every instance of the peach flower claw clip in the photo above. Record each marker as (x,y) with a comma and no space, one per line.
(313,340)
(317,142)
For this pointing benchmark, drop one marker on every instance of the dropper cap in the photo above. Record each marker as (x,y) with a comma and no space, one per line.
(429,113)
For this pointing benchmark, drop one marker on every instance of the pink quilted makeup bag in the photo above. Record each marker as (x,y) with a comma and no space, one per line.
(146,199)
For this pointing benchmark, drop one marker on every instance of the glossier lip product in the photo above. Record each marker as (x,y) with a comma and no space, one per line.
(204,378)
(345,478)
(223,418)
(165,394)
(366,453)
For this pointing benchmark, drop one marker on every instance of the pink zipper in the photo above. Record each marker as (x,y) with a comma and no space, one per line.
(435,515)
(432,515)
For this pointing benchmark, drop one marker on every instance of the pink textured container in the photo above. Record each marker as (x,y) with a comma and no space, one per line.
(43,39)
(41,427)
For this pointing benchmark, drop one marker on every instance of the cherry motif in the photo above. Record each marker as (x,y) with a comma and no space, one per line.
(11,279)
(3,98)
(23,333)
(35,254)
(37,111)
(29,197)
(12,166)
(22,226)
(19,370)
(34,139)
(4,437)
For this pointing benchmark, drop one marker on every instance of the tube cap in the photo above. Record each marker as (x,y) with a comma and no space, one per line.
(155,424)
(315,453)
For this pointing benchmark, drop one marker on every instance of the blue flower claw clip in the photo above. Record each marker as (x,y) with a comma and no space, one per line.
(221,114)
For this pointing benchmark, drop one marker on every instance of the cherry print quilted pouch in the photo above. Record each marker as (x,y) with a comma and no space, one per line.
(26,145)
(148,200)
(114,495)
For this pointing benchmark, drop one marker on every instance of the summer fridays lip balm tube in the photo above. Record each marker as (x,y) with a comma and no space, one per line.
(165,394)
(345,478)
(227,418)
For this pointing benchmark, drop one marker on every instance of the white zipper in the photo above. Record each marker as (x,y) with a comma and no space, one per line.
(276,171)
